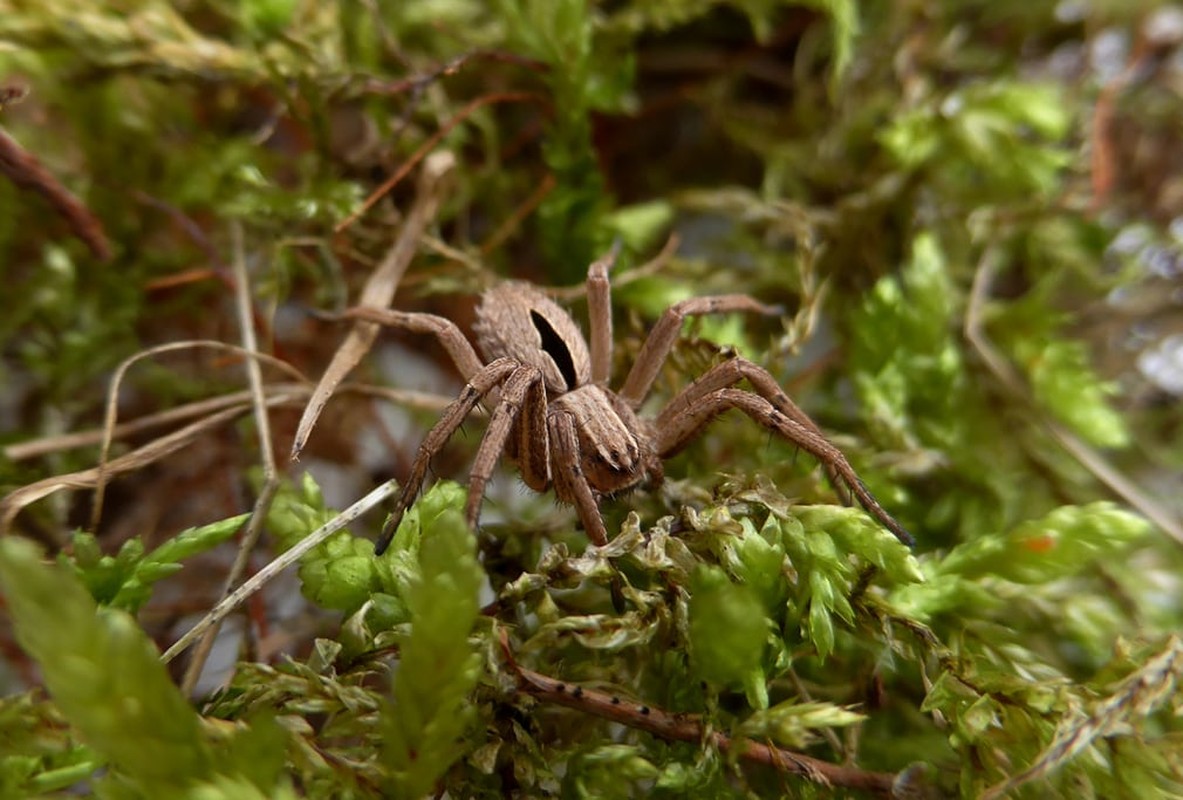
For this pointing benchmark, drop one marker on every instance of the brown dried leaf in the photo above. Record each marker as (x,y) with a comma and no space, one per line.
(378,292)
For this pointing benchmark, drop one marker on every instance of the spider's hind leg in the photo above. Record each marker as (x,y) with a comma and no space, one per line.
(676,428)
(735,370)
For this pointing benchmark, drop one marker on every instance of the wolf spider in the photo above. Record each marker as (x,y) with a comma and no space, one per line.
(554,415)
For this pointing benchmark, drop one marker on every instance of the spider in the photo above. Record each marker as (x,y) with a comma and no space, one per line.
(555,416)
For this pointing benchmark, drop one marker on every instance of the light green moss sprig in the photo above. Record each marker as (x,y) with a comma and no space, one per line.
(997,140)
(342,573)
(728,633)
(430,710)
(125,580)
(1035,553)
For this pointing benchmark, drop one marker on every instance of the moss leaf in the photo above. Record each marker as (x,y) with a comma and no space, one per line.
(430,710)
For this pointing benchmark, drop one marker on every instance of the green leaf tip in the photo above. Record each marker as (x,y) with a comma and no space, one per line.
(728,632)
(125,580)
(792,723)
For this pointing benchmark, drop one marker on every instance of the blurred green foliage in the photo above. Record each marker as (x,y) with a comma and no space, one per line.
(929,190)
(124,581)
(105,676)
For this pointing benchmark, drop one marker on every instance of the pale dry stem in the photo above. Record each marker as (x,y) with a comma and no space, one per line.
(112,409)
(261,578)
(378,292)
(254,527)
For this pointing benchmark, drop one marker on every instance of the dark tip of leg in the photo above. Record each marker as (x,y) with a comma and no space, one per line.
(900,533)
(388,531)
(867,501)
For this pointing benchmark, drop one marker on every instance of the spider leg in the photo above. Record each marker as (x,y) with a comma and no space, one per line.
(679,428)
(731,372)
(480,384)
(514,396)
(599,316)
(570,482)
(457,346)
(661,339)
(533,441)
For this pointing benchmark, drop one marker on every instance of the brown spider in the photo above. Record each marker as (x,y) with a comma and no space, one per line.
(554,415)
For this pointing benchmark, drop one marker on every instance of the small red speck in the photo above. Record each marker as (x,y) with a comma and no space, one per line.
(1040,544)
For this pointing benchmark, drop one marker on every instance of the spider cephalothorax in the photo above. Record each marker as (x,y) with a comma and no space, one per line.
(554,415)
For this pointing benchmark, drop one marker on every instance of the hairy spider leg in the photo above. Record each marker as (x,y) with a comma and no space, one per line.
(570,482)
(514,391)
(532,451)
(599,318)
(661,339)
(732,371)
(688,422)
(485,379)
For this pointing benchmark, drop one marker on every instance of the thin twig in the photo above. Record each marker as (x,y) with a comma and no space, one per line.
(278,565)
(1010,380)
(112,410)
(47,445)
(691,728)
(650,267)
(514,220)
(254,373)
(27,172)
(429,145)
(155,450)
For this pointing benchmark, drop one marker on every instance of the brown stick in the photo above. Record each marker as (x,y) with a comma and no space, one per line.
(690,728)
(23,169)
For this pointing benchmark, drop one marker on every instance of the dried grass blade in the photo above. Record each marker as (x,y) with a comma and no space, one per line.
(155,450)
(282,562)
(112,410)
(378,292)
(254,372)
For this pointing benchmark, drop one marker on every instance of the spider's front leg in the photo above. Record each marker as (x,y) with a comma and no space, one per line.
(522,399)
(570,481)
(480,384)
(458,348)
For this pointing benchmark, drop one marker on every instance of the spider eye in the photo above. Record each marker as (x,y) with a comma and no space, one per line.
(554,346)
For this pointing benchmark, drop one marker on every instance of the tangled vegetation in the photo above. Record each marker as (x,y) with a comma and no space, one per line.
(969,212)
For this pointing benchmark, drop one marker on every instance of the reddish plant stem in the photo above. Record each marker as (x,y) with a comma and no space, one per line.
(690,728)
(23,169)
(430,144)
